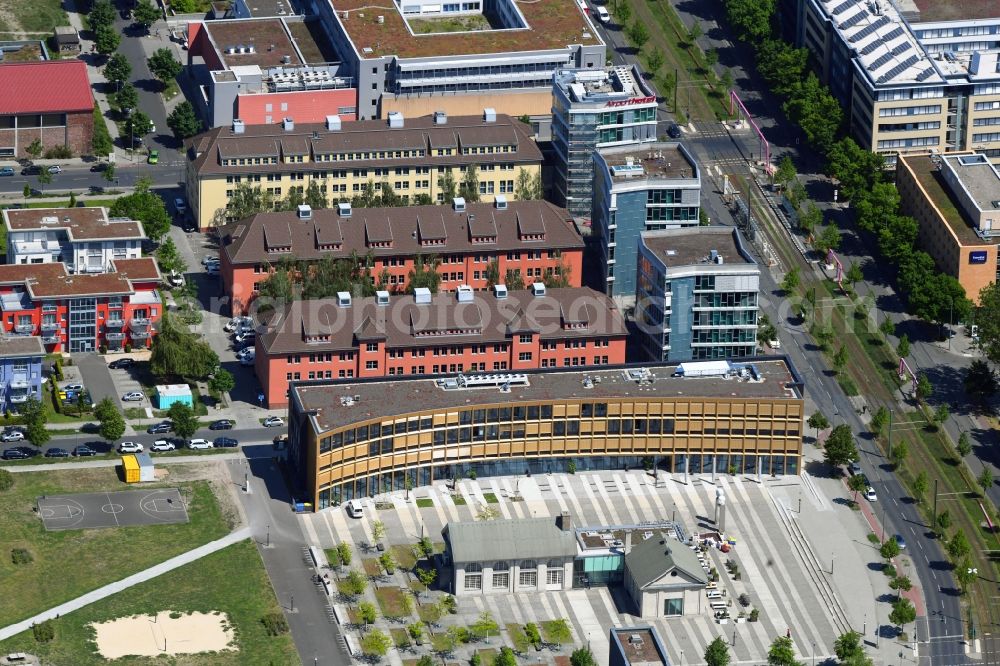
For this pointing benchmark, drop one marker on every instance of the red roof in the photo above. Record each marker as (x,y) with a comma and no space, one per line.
(53,86)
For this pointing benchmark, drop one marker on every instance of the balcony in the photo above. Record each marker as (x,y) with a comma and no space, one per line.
(116,335)
(50,325)
(139,325)
(114,320)
(52,338)
(24,329)
(19,396)
(19,388)
(140,335)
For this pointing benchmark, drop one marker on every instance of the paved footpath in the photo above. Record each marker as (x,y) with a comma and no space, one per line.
(125,583)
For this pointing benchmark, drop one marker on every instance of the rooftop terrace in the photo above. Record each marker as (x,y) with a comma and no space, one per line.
(552,25)
(650,160)
(393,396)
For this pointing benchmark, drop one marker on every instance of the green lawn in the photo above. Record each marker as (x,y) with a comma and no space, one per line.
(491,498)
(32,15)
(232,581)
(458,500)
(400,638)
(390,601)
(403,554)
(425,502)
(91,558)
(332,556)
(518,637)
(371,567)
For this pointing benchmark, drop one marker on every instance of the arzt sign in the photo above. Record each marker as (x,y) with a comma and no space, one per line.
(631,101)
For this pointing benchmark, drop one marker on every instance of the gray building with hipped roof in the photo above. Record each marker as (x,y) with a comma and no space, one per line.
(663,577)
(517,555)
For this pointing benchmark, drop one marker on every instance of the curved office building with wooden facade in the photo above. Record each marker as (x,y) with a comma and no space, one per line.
(351,439)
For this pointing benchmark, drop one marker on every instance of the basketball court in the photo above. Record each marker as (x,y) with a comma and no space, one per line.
(113,509)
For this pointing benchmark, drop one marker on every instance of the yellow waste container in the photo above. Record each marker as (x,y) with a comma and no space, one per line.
(131,467)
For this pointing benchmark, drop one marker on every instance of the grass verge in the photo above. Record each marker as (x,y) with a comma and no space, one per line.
(232,581)
(425,502)
(92,557)
(390,601)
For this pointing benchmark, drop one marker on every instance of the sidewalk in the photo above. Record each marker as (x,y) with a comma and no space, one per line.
(125,583)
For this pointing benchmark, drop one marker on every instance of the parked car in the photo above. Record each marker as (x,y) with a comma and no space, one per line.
(180,206)
(56,452)
(133,396)
(199,444)
(160,428)
(12,436)
(273,422)
(900,541)
(162,445)
(209,259)
(246,336)
(175,279)
(249,359)
(674,132)
(154,155)
(73,387)
(188,226)
(854,467)
(870,494)
(354,509)
(221,424)
(603,16)
(16,453)
(55,168)
(246,352)
(225,442)
(31,170)
(84,450)
(7,171)
(121,363)
(130,447)
(99,167)
(212,270)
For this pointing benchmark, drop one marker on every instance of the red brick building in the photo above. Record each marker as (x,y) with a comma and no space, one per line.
(443,334)
(82,312)
(49,100)
(531,238)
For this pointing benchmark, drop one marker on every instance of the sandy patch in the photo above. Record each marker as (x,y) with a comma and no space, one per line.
(149,636)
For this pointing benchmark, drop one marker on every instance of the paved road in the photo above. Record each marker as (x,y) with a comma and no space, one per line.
(98,378)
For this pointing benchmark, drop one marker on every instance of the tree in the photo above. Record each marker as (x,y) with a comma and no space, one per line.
(726,79)
(222,382)
(469,188)
(163,65)
(424,274)
(378,531)
(856,483)
(559,631)
(505,658)
(751,18)
(924,388)
(711,58)
(247,200)
(148,208)
(183,121)
(903,348)
(785,172)
(448,187)
(829,239)
(964,445)
(638,33)
(485,625)
(958,547)
(880,419)
(716,654)
(654,60)
(354,583)
(102,13)
(106,40)
(178,353)
(694,32)
(903,612)
(900,583)
(920,485)
(965,574)
(344,553)
(34,149)
(943,522)
(145,14)
(375,643)
(513,280)
(980,382)
(169,257)
(898,454)
(111,420)
(584,657)
(817,422)
(44,178)
(790,281)
(854,274)
(184,421)
(138,125)
(840,448)
(118,69)
(988,321)
(782,652)
(889,549)
(127,97)
(33,414)
(887,327)
(367,613)
(840,359)
(985,479)
(315,198)
(427,576)
(848,646)
(387,562)
(941,414)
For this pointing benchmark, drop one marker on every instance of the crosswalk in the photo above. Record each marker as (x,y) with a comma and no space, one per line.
(773,572)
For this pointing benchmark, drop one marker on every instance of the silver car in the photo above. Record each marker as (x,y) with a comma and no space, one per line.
(133,396)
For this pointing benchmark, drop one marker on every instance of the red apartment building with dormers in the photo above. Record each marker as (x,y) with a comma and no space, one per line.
(82,312)
(448,333)
(532,238)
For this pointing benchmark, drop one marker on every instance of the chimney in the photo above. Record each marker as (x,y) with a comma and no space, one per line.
(440,118)
(305,212)
(288,124)
(565,523)
(628,542)
(333,123)
(489,115)
(465,294)
(395,120)
(421,295)
(239,127)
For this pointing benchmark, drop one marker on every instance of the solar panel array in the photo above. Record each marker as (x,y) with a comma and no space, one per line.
(870,49)
(843,7)
(880,22)
(854,20)
(886,57)
(899,69)
(926,74)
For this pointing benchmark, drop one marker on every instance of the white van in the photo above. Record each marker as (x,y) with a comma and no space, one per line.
(354,509)
(603,16)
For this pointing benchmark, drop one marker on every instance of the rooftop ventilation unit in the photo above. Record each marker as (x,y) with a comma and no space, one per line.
(288,124)
(382,298)
(333,123)
(344,209)
(395,120)
(305,212)
(713,256)
(381,19)
(458,203)
(343,299)
(286,60)
(538,288)
(440,118)
(239,127)
(500,290)
(422,295)
(502,381)
(489,115)
(501,202)
(465,294)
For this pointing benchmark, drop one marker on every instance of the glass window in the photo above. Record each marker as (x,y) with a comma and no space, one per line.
(673,607)
(546,411)
(474,581)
